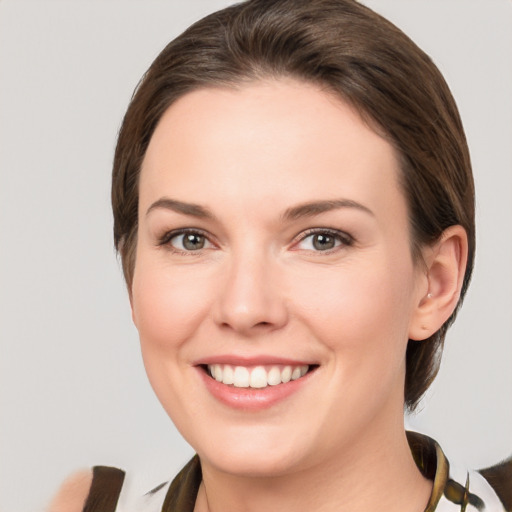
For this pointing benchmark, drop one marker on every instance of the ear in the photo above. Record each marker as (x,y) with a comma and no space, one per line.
(445,265)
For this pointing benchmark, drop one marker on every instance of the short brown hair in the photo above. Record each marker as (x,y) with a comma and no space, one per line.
(351,51)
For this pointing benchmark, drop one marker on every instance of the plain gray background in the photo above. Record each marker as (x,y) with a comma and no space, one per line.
(73,392)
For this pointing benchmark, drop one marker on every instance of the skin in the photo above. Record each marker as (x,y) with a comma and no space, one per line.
(259,286)
(72,493)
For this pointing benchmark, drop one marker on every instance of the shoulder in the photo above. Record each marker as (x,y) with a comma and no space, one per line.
(458,489)
(499,477)
(72,493)
(488,490)
(92,490)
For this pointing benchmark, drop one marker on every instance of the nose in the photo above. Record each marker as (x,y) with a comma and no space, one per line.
(252,299)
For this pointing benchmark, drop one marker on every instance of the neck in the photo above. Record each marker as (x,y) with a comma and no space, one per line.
(377,472)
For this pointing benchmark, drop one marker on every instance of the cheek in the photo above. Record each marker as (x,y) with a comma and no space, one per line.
(362,315)
(168,308)
(167,305)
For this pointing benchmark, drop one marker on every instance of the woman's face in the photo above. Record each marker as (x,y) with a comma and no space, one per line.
(273,239)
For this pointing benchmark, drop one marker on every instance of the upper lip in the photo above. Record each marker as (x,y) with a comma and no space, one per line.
(260,360)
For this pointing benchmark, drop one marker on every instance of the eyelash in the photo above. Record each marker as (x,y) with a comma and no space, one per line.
(344,239)
(166,238)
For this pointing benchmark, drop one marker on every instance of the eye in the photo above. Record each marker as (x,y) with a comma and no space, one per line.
(324,240)
(186,241)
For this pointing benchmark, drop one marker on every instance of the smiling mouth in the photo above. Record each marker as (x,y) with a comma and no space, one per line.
(256,377)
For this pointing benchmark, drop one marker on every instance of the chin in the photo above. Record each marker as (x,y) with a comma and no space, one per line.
(252,464)
(256,453)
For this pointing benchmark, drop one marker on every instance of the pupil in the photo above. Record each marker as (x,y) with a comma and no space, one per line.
(323,242)
(193,242)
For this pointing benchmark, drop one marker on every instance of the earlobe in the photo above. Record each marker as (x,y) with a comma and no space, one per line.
(445,267)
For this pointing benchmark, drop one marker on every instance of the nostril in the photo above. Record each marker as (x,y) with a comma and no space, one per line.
(245,324)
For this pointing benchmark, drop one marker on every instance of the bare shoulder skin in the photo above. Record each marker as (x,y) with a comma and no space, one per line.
(73,492)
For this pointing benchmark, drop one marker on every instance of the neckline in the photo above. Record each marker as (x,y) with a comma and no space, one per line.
(427,454)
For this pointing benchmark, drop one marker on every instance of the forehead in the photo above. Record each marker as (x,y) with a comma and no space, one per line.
(274,141)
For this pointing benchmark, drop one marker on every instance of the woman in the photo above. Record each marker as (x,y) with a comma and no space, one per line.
(294,209)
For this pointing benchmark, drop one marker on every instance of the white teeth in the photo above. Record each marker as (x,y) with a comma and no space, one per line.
(258,377)
(295,373)
(241,377)
(217,372)
(286,374)
(274,376)
(228,375)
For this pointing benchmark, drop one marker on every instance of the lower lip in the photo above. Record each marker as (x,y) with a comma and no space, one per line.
(253,399)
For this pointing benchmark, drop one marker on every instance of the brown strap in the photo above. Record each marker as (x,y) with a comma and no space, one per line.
(182,494)
(105,489)
(432,463)
(500,479)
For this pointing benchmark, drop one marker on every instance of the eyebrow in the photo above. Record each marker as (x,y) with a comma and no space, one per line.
(191,209)
(316,207)
(295,212)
